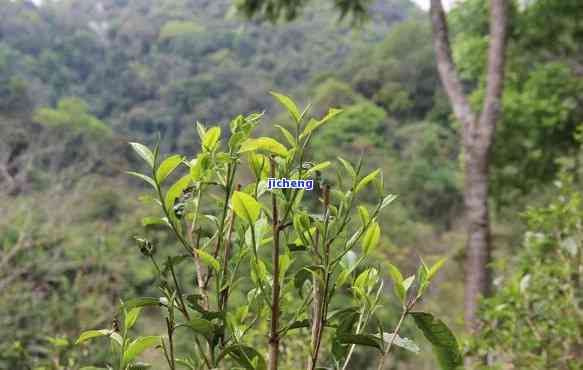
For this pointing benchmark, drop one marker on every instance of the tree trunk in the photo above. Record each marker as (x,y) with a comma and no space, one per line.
(478,244)
(477,137)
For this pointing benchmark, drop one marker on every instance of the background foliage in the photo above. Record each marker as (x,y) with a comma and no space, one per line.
(79,79)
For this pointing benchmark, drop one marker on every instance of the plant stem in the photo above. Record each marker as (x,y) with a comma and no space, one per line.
(351,351)
(170,328)
(321,298)
(273,333)
(395,333)
(199,269)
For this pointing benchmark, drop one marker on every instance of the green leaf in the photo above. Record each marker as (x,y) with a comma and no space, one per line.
(348,167)
(360,339)
(264,143)
(300,279)
(318,167)
(211,139)
(141,302)
(92,368)
(299,324)
(208,259)
(315,124)
(371,238)
(132,317)
(435,268)
(364,215)
(288,136)
(246,207)
(388,200)
(167,166)
(58,342)
(202,327)
(148,221)
(445,345)
(366,180)
(147,179)
(284,263)
(144,153)
(175,192)
(397,281)
(245,356)
(139,366)
(259,164)
(200,130)
(407,282)
(405,343)
(138,346)
(288,104)
(117,339)
(174,261)
(196,166)
(90,334)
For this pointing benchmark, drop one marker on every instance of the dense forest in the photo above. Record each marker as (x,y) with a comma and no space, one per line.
(80,79)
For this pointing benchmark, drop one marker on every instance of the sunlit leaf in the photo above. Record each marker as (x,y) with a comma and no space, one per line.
(349,168)
(315,124)
(132,317)
(138,346)
(388,200)
(397,278)
(144,153)
(90,334)
(265,144)
(288,136)
(363,213)
(208,259)
(175,192)
(211,138)
(246,207)
(318,167)
(371,238)
(147,179)
(167,166)
(288,104)
(435,268)
(366,180)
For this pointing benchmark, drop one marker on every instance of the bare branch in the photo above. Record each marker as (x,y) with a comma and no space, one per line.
(495,77)
(446,67)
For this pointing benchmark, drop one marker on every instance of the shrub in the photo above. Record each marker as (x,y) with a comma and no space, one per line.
(271,267)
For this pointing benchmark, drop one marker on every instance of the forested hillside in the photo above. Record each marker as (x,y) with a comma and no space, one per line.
(79,79)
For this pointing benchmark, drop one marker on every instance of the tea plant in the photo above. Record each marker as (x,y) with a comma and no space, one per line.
(293,254)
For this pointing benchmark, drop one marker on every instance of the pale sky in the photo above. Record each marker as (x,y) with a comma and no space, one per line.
(424,4)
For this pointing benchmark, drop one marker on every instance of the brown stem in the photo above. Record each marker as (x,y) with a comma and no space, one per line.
(170,328)
(320,298)
(395,333)
(226,256)
(273,333)
(200,278)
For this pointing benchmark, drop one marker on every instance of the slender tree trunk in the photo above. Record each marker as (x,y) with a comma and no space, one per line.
(477,137)
(478,245)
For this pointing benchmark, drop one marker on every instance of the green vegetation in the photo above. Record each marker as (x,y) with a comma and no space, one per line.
(223,231)
(81,79)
